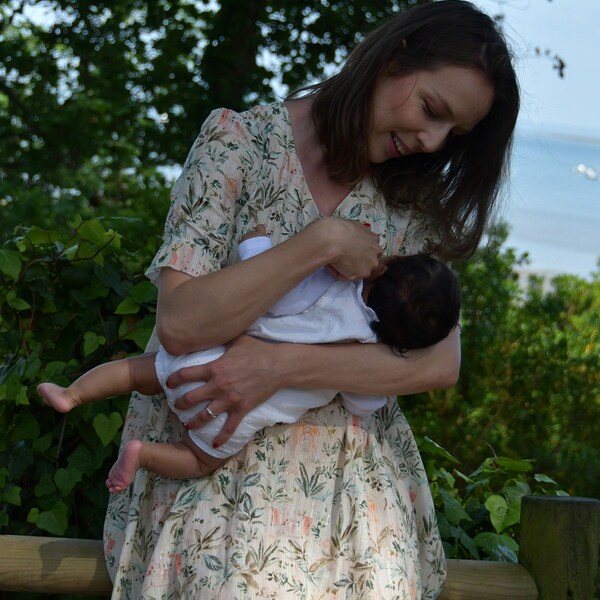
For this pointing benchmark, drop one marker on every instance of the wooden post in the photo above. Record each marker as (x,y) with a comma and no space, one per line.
(559,545)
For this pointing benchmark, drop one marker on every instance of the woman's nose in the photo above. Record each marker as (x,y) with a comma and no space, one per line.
(432,139)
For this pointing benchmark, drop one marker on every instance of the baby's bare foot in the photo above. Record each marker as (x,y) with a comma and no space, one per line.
(57,397)
(123,471)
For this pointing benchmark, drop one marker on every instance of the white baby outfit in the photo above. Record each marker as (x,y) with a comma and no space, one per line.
(320,309)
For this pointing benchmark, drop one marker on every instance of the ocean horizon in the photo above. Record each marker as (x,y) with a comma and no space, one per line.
(552,203)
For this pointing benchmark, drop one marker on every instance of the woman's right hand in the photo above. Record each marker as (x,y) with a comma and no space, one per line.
(237,382)
(356,248)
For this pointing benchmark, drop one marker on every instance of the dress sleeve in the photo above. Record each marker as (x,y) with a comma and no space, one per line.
(200,227)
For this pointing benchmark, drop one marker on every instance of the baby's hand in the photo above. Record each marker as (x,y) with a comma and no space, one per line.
(258,231)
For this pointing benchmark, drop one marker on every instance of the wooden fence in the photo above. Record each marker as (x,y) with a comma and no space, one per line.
(558,554)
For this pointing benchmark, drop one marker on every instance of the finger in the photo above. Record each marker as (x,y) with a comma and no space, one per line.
(202,393)
(228,429)
(204,416)
(187,374)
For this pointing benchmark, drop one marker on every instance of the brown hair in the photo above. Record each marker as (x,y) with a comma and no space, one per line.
(458,185)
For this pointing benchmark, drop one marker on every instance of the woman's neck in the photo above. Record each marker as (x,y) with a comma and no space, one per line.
(327,194)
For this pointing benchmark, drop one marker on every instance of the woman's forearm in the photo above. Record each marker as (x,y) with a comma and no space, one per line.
(200,312)
(372,369)
(251,371)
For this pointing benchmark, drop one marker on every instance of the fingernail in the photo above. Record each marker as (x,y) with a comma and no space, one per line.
(215,445)
(187,426)
(367,225)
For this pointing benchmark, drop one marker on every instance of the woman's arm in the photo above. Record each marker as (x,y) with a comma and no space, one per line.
(199,312)
(251,371)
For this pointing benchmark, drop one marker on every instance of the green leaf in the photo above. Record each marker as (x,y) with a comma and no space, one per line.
(10,263)
(54,521)
(490,541)
(45,486)
(541,478)
(497,508)
(434,449)
(17,303)
(42,443)
(127,307)
(512,464)
(91,342)
(12,495)
(21,397)
(81,459)
(468,543)
(40,237)
(66,479)
(93,231)
(144,292)
(26,428)
(53,369)
(106,428)
(33,515)
(142,332)
(453,510)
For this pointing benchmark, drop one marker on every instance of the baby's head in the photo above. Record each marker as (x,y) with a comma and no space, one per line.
(417,302)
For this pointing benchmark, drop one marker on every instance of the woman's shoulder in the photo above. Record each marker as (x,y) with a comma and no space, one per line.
(254,123)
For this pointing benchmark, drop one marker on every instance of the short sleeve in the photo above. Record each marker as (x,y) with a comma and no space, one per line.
(200,224)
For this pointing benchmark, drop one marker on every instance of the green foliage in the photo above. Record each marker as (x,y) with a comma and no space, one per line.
(479,514)
(530,376)
(98,98)
(70,298)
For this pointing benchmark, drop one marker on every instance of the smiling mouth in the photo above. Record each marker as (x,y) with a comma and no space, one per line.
(402,150)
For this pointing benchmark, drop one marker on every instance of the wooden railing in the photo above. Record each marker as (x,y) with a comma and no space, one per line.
(558,554)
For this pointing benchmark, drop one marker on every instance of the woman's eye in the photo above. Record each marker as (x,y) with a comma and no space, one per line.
(429,111)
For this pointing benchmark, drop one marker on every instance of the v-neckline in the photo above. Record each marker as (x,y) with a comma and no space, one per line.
(347,198)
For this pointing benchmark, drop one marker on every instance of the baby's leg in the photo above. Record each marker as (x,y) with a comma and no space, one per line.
(179,460)
(109,379)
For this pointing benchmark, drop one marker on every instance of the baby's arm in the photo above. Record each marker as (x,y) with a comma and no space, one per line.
(298,299)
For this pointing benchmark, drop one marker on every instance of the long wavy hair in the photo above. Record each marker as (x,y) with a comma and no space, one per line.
(458,185)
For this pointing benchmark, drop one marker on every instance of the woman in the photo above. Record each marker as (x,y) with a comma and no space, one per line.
(411,138)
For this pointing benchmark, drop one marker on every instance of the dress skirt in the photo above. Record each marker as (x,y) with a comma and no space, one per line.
(333,506)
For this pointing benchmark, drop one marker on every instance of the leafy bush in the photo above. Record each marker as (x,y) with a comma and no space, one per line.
(530,377)
(75,296)
(70,298)
(479,514)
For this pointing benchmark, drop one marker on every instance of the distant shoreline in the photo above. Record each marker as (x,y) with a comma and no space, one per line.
(561,132)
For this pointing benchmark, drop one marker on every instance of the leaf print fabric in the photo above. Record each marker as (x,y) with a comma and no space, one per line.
(330,507)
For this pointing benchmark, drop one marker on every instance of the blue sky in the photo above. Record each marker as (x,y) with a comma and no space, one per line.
(570,28)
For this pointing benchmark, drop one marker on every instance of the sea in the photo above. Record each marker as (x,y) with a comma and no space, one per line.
(552,204)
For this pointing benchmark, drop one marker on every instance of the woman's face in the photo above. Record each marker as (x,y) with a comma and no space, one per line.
(418,112)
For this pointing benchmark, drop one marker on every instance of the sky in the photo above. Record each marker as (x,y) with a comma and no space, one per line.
(569,28)
(553,213)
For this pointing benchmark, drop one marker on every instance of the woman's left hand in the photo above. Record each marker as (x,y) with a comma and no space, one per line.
(235,383)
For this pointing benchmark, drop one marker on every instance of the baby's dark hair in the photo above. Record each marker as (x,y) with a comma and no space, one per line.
(417,302)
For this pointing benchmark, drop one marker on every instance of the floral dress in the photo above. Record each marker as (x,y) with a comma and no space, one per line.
(333,506)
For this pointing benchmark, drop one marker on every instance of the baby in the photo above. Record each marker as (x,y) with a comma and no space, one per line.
(410,302)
